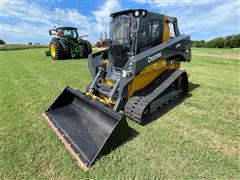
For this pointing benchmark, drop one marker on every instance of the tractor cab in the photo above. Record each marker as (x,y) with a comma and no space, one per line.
(68,32)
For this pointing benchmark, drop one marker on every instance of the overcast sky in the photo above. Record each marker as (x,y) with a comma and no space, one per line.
(23,21)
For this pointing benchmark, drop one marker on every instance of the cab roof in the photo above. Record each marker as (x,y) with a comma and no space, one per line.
(128,11)
(67,28)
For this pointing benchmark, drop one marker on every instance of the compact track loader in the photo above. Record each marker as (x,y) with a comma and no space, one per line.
(135,77)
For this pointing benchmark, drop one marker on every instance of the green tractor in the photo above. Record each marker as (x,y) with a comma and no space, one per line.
(66,44)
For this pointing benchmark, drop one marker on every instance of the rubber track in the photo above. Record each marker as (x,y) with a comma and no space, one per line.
(136,105)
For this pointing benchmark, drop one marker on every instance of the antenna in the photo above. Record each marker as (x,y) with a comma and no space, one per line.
(60,21)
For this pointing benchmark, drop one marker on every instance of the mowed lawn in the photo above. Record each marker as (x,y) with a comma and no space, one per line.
(199,138)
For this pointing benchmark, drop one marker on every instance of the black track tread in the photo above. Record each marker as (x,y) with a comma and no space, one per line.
(66,49)
(58,49)
(136,105)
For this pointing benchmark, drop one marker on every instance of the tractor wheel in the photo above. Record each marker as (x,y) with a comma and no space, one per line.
(89,47)
(56,49)
(66,49)
(83,50)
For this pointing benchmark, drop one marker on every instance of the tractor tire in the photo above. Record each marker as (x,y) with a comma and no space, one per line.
(56,49)
(89,47)
(83,50)
(81,41)
(66,49)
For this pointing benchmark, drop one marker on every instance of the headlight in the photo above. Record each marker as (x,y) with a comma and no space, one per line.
(111,19)
(136,13)
(144,13)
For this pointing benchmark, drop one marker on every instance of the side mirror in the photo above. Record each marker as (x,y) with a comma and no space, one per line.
(50,32)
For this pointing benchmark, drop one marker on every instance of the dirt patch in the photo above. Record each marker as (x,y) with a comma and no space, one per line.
(227,56)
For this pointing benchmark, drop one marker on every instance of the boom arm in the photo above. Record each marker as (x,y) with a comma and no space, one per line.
(177,48)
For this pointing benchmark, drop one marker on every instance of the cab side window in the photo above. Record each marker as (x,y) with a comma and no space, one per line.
(156,31)
(172,33)
(150,34)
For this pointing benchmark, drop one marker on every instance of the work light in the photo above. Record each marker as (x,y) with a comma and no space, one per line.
(144,13)
(136,13)
(111,19)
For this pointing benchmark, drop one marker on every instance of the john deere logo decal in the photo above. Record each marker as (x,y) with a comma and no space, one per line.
(154,57)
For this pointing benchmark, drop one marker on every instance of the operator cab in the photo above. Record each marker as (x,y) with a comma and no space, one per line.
(132,32)
(69,32)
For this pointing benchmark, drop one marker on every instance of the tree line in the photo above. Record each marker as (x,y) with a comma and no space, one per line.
(232,41)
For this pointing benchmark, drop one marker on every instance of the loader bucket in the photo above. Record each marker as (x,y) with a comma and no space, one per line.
(87,128)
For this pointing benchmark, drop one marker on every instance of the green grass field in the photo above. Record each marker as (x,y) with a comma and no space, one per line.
(216,51)
(10,47)
(197,139)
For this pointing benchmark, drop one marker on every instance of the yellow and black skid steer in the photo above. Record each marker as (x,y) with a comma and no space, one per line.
(137,75)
